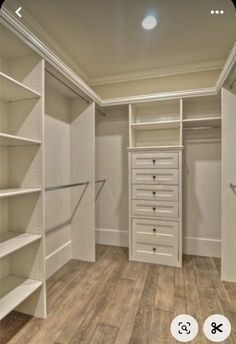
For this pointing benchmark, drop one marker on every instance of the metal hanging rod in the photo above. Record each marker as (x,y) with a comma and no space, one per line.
(66,186)
(67,86)
(102,181)
(201,128)
(231,86)
(102,113)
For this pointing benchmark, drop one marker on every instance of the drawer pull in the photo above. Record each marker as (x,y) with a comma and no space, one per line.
(154,230)
(154,249)
(154,177)
(154,161)
(154,208)
(154,193)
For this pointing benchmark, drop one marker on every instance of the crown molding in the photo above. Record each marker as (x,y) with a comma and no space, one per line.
(159,96)
(231,60)
(158,72)
(31,40)
(39,47)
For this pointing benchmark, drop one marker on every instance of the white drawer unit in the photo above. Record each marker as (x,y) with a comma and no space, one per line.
(155,253)
(155,176)
(154,231)
(155,208)
(156,192)
(155,160)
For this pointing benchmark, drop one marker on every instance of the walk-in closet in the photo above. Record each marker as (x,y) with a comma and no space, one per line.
(117,172)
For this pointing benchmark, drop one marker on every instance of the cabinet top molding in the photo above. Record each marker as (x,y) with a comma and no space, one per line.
(27,36)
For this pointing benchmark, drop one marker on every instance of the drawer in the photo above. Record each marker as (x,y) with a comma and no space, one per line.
(157,232)
(156,192)
(156,252)
(155,208)
(151,176)
(155,160)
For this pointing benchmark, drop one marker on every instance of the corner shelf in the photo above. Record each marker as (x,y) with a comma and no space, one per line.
(17,191)
(13,241)
(174,124)
(15,290)
(13,140)
(12,90)
(202,122)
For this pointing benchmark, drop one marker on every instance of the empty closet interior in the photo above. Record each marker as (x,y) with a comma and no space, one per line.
(69,174)
(77,171)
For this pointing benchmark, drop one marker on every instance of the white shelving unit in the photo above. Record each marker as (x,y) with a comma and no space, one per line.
(13,140)
(17,192)
(13,241)
(155,177)
(12,90)
(155,124)
(22,252)
(14,290)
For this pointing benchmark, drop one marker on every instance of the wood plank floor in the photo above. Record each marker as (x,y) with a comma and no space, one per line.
(114,301)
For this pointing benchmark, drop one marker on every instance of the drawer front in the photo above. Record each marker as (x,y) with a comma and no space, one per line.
(156,192)
(156,252)
(155,208)
(149,176)
(155,160)
(152,231)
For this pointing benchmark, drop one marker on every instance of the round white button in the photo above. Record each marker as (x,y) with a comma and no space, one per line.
(217,328)
(184,328)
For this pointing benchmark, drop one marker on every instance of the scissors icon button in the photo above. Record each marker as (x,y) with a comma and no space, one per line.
(216,328)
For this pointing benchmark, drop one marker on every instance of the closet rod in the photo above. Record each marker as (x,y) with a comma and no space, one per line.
(102,113)
(100,181)
(231,86)
(201,128)
(70,88)
(59,187)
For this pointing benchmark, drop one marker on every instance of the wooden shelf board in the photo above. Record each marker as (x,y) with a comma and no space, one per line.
(17,191)
(12,140)
(13,241)
(174,124)
(202,122)
(12,90)
(13,291)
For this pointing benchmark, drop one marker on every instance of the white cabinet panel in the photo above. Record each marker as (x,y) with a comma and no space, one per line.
(155,192)
(155,208)
(155,160)
(157,176)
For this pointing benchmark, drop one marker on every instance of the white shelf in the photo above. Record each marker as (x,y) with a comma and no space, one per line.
(202,122)
(17,191)
(12,90)
(148,148)
(13,241)
(13,291)
(174,124)
(12,140)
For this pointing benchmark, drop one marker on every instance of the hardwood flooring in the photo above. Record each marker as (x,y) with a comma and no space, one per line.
(114,301)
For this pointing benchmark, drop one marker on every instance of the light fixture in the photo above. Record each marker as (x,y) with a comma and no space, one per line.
(149,22)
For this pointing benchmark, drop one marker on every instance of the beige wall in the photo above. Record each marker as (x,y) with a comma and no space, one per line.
(158,85)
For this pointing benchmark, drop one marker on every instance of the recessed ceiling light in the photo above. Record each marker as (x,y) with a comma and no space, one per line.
(149,22)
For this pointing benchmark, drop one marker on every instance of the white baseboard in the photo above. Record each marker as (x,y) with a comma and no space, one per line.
(112,237)
(202,247)
(57,259)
